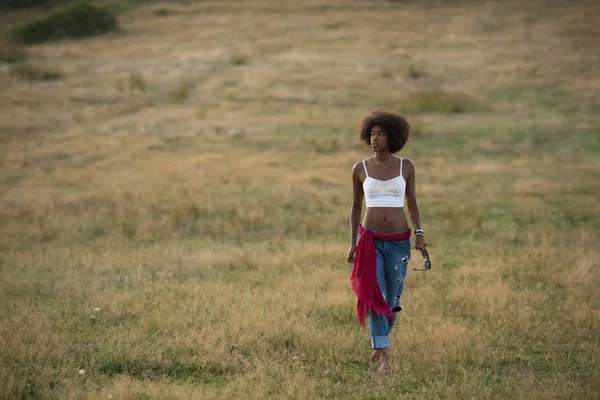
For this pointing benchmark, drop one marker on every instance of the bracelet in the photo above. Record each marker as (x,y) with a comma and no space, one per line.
(419,232)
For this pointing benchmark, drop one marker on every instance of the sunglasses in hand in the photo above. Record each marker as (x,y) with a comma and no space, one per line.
(425,255)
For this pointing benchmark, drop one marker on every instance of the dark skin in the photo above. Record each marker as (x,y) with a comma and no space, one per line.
(383,166)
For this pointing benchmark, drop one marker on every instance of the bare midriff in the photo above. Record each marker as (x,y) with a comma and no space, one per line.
(385,219)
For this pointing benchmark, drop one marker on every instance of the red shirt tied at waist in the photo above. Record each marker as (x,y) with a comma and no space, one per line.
(364,274)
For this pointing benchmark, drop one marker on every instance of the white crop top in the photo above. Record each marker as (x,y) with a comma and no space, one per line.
(388,193)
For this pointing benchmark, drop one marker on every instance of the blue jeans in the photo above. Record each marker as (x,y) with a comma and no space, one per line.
(392,264)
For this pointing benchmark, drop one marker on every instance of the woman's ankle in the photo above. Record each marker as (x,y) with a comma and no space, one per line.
(386,366)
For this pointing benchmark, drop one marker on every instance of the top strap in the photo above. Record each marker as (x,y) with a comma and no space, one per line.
(365,165)
(400,167)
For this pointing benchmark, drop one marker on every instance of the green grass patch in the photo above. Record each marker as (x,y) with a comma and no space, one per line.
(546,96)
(12,54)
(437,101)
(239,59)
(162,12)
(171,369)
(30,72)
(19,4)
(76,20)
(182,92)
(415,72)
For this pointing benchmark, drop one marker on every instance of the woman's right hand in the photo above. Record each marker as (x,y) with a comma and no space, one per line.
(351,252)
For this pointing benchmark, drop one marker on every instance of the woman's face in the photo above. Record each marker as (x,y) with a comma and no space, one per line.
(379,139)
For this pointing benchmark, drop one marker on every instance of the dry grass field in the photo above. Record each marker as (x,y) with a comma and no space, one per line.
(174,201)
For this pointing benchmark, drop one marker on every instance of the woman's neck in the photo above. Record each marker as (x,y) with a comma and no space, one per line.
(383,156)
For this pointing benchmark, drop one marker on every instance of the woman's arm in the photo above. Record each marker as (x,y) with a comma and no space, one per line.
(356,209)
(411,201)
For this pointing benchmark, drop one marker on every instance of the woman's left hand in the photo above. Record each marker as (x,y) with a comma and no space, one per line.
(420,242)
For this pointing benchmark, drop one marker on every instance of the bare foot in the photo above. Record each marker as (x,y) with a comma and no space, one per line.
(376,356)
(386,366)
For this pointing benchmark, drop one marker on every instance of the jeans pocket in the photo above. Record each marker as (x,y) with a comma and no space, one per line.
(403,246)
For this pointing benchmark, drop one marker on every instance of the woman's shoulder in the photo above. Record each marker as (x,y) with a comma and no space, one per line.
(360,164)
(407,162)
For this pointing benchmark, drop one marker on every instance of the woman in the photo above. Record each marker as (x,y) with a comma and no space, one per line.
(380,248)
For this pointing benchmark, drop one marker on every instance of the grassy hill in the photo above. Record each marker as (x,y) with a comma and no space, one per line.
(174,201)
